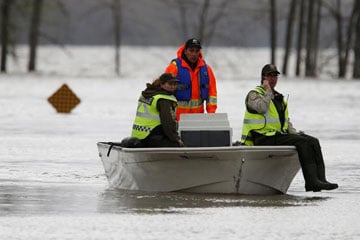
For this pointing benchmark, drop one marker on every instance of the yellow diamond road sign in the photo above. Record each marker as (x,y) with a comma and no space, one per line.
(64,100)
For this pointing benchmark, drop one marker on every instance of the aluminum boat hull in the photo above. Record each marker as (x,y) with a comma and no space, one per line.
(258,170)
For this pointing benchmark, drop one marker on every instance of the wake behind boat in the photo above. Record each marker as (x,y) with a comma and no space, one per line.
(260,170)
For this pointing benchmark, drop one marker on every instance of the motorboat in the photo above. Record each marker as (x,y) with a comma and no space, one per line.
(209,163)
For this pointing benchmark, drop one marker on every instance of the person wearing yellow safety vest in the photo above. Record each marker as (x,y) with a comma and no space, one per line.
(155,124)
(266,122)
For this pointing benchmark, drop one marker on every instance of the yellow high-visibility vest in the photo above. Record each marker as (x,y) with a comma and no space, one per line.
(147,115)
(267,124)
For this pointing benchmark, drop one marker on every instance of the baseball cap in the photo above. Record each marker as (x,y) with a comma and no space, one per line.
(192,42)
(168,77)
(269,68)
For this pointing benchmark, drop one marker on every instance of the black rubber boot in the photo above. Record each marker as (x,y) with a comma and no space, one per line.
(322,177)
(312,183)
(320,166)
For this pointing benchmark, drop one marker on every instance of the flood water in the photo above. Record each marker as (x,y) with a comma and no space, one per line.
(23,199)
(56,206)
(52,183)
(88,212)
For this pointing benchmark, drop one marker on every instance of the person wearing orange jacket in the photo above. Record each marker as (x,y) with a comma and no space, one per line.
(197,80)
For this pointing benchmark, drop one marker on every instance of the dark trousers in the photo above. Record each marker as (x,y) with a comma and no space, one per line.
(308,148)
(157,138)
(158,141)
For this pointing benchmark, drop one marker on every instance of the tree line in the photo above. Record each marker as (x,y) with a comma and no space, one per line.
(307,15)
(304,19)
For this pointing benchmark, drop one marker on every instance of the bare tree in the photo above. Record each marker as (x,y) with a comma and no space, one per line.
(182,22)
(116,12)
(289,34)
(349,39)
(209,17)
(202,19)
(317,24)
(344,43)
(215,19)
(313,19)
(300,37)
(356,71)
(273,30)
(34,33)
(20,11)
(309,66)
(340,43)
(182,10)
(115,6)
(206,18)
(5,22)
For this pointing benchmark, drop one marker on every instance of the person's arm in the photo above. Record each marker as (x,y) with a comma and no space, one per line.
(211,104)
(172,68)
(167,120)
(291,128)
(259,103)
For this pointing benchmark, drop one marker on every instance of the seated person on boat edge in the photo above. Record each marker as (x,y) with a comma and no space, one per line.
(155,124)
(266,122)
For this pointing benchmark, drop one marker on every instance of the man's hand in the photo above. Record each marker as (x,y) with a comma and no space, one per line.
(266,85)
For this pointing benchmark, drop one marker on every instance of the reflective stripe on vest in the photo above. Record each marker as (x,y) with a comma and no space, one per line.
(190,104)
(147,115)
(183,90)
(267,124)
(212,100)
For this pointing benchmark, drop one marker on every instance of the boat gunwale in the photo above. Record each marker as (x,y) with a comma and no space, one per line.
(200,149)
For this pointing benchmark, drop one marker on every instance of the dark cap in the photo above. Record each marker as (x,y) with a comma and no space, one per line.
(269,68)
(168,77)
(193,42)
